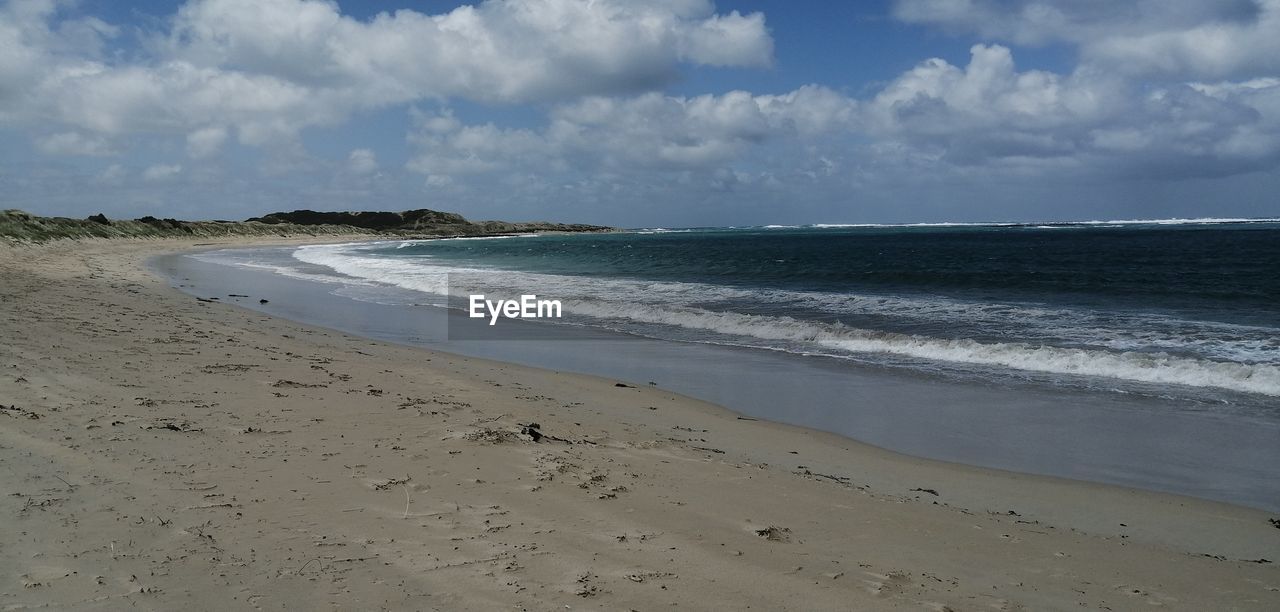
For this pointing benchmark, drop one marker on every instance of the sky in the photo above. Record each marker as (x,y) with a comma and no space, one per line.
(644,113)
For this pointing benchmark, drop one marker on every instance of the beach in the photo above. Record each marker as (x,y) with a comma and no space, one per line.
(162,451)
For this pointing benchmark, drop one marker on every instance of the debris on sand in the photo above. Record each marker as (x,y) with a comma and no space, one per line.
(818,475)
(531,430)
(296,385)
(773,533)
(929,491)
(258,430)
(15,411)
(390,482)
(535,433)
(585,587)
(491,435)
(181,425)
(642,576)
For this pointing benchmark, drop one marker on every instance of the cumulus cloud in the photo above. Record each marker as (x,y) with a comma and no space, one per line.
(1221,39)
(499,50)
(272,67)
(988,109)
(205,142)
(697,131)
(936,117)
(646,132)
(362,161)
(74,143)
(988,112)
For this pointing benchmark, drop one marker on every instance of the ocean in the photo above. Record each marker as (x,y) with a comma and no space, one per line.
(1170,329)
(1189,309)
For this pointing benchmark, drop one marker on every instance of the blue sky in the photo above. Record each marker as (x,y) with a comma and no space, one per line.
(635,113)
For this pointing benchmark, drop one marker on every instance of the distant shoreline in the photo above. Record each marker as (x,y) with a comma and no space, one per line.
(20,226)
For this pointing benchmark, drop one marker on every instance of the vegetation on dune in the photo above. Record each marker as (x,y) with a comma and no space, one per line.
(420,221)
(20,226)
(16,225)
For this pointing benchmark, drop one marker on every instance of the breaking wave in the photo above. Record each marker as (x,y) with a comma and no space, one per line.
(1062,341)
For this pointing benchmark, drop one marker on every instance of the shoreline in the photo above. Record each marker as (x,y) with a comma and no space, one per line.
(682,503)
(1076,434)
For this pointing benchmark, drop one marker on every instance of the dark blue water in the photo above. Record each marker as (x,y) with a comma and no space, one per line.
(1190,310)
(1219,271)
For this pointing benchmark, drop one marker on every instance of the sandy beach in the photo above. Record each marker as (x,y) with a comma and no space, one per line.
(163,452)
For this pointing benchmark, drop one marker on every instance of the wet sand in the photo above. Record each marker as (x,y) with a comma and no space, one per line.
(160,452)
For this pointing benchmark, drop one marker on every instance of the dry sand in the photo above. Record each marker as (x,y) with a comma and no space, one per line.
(159,452)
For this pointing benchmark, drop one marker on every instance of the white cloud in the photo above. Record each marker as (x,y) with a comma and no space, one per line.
(436,180)
(1042,21)
(205,142)
(988,112)
(651,132)
(362,161)
(1219,39)
(730,40)
(272,67)
(74,143)
(934,117)
(161,172)
(936,99)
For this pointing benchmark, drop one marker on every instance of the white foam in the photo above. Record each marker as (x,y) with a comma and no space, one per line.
(661,230)
(1159,368)
(1196,221)
(234,257)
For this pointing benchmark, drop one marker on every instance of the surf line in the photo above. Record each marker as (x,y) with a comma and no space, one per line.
(527,307)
